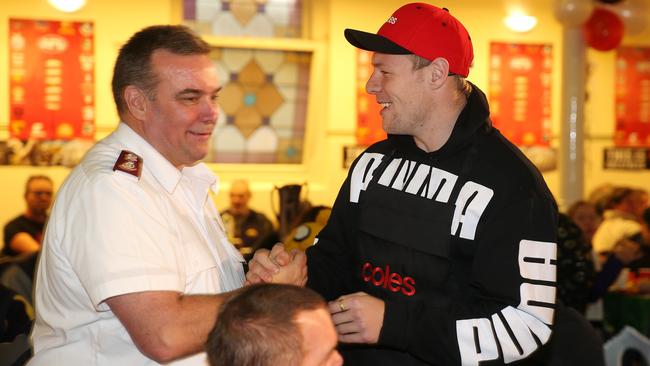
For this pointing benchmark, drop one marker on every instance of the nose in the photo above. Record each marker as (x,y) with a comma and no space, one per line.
(373,86)
(210,111)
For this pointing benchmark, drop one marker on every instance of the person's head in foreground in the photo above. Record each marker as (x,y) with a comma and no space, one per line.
(271,324)
(422,57)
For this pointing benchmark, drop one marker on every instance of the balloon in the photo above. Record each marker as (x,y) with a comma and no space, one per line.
(633,13)
(573,12)
(603,30)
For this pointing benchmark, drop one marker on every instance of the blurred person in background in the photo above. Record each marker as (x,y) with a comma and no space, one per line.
(584,276)
(586,216)
(247,229)
(622,218)
(24,233)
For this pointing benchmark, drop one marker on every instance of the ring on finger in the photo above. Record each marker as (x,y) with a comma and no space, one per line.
(341,305)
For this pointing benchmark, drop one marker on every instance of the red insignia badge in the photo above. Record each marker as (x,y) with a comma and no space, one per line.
(129,162)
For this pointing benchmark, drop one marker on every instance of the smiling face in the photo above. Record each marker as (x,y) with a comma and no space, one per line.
(319,338)
(180,118)
(401,91)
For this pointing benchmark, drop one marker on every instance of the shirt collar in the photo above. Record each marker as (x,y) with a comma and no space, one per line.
(163,171)
(201,173)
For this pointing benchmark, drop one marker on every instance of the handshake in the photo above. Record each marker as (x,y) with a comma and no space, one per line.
(358,317)
(278,266)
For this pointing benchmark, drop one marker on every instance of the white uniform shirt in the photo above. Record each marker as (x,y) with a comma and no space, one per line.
(111,233)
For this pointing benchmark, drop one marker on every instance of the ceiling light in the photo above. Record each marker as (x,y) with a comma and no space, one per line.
(68,6)
(520,22)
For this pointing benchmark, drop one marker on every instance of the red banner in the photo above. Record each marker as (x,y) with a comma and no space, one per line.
(51,80)
(520,92)
(632,97)
(369,128)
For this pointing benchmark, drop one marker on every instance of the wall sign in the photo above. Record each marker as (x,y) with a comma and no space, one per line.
(632,97)
(520,92)
(51,80)
(628,158)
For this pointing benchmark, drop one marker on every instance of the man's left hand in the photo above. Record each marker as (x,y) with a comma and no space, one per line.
(358,317)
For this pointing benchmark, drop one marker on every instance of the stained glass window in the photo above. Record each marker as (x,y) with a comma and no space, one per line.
(256,18)
(263,106)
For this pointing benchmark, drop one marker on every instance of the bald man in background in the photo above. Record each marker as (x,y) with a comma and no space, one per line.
(248,229)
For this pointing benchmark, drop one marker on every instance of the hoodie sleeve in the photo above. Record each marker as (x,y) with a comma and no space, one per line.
(506,311)
(330,259)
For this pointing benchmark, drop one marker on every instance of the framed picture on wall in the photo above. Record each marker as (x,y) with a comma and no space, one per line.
(632,97)
(51,92)
(520,98)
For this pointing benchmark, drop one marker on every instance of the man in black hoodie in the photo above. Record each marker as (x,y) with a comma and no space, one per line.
(441,246)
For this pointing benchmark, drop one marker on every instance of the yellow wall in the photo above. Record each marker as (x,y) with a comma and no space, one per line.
(331,117)
(599,121)
(115,21)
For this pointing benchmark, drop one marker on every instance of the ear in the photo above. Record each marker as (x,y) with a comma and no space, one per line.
(439,72)
(136,101)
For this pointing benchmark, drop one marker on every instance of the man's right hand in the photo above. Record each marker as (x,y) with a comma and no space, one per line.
(278,266)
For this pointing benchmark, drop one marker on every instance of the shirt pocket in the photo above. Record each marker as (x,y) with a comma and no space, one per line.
(411,234)
(198,257)
(407,220)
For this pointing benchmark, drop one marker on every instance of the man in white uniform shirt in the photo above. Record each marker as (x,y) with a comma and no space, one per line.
(135,263)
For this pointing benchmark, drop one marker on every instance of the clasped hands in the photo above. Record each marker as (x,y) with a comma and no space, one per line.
(358,317)
(277,266)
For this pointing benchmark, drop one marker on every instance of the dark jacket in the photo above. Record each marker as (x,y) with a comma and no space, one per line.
(21,224)
(460,243)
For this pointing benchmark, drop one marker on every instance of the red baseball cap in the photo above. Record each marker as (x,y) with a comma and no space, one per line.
(421,29)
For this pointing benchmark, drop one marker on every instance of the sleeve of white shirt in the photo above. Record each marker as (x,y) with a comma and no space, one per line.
(118,240)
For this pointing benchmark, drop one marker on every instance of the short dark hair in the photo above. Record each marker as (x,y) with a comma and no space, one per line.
(256,327)
(133,64)
(36,177)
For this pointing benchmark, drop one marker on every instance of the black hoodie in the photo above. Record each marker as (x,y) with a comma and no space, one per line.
(460,243)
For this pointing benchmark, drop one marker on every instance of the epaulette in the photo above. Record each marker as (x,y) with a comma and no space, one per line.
(129,163)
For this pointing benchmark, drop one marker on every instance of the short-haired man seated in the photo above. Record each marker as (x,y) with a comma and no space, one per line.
(270,324)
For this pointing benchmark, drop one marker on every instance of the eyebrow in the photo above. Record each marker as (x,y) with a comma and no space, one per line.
(196,91)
